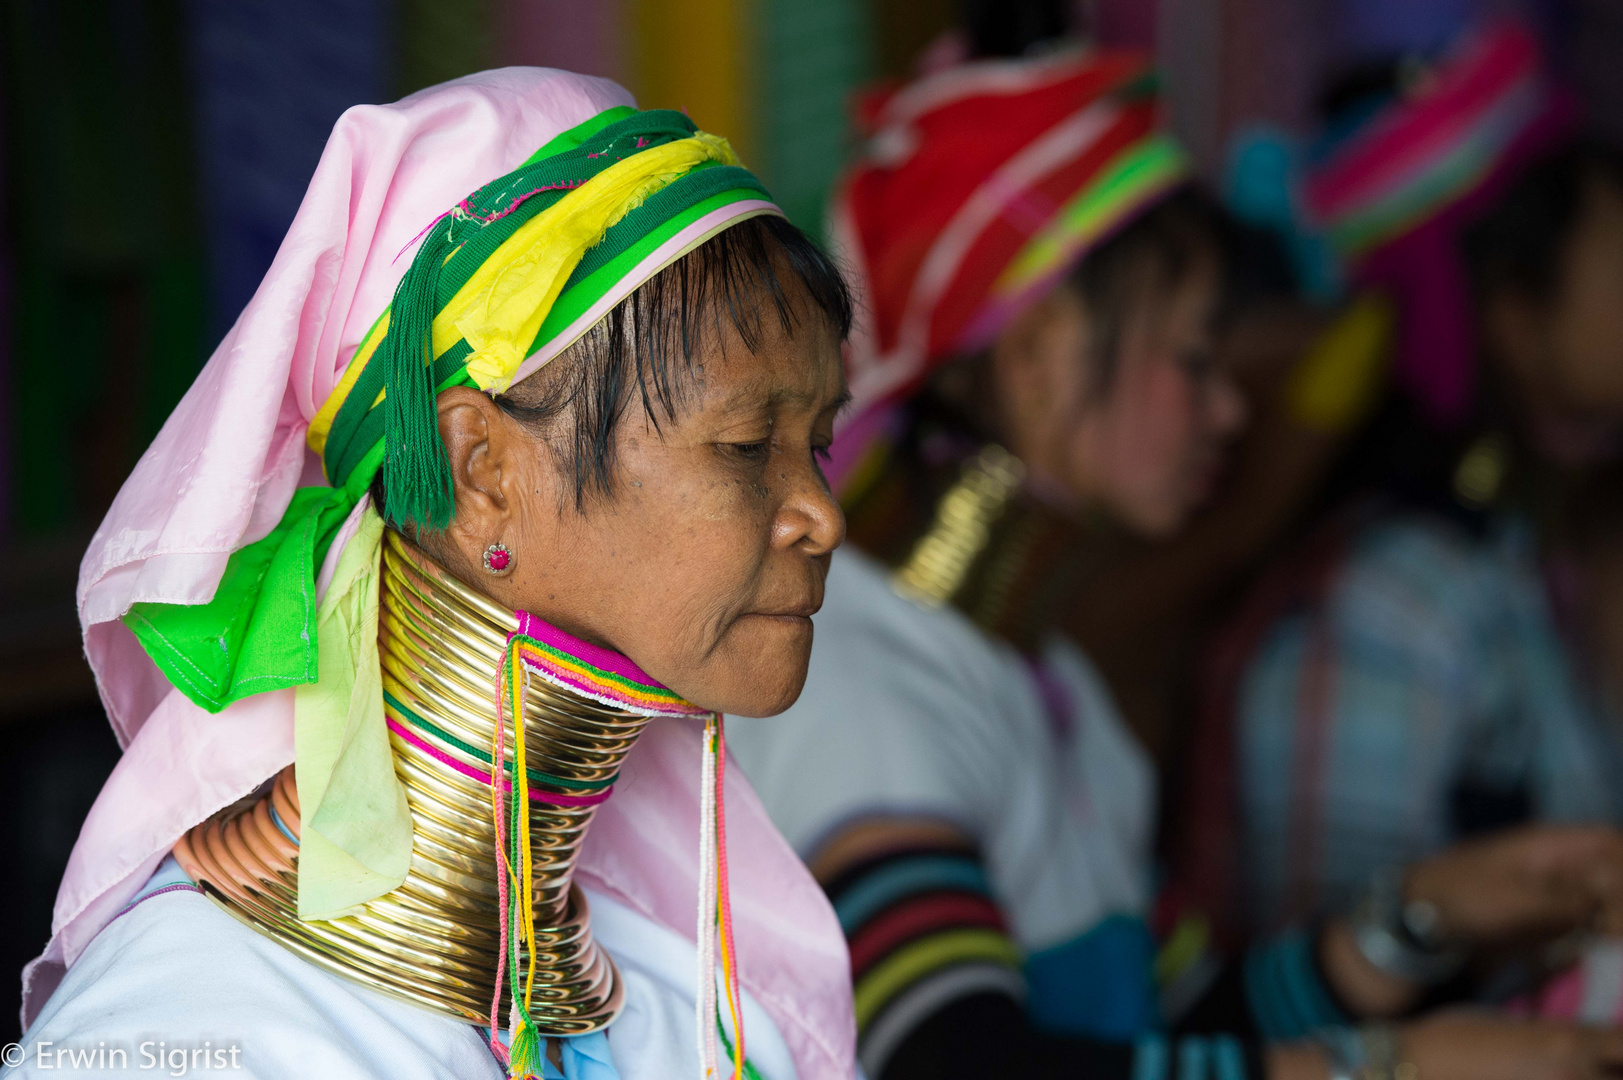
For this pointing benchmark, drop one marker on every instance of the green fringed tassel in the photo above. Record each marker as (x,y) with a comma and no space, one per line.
(524,1055)
(416,471)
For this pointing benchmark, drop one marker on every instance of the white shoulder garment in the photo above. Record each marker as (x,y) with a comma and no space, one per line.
(176,973)
(912,711)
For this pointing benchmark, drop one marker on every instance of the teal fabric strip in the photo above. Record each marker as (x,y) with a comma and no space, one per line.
(1150,1058)
(1259,997)
(1099,984)
(1304,983)
(1229,1057)
(1192,1058)
(895,880)
(1287,994)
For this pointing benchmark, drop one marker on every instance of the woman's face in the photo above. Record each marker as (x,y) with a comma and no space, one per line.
(1566,355)
(707,563)
(1149,443)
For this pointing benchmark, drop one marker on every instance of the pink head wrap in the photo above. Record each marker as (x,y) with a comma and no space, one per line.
(222,471)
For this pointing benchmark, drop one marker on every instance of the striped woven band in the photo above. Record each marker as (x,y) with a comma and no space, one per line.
(595,672)
(1421,153)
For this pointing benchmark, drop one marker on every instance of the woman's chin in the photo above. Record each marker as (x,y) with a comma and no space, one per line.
(762,667)
(1152,519)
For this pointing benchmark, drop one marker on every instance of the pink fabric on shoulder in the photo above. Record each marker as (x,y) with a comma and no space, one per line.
(642,849)
(222,471)
(1590,992)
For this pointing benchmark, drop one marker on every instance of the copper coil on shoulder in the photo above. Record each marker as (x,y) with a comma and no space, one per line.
(433,941)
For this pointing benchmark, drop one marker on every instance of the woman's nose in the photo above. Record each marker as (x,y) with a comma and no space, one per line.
(811,517)
(1227,406)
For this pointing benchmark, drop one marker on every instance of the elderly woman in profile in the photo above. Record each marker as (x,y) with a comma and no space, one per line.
(504,486)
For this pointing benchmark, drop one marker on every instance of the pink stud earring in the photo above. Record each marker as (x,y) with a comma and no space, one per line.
(498,560)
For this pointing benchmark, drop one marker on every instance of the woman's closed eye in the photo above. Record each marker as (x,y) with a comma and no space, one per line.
(749,451)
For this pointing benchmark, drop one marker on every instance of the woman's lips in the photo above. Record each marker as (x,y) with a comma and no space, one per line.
(792,613)
(796,621)
(784,616)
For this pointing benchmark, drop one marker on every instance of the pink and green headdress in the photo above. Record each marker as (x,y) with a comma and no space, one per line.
(500,284)
(1392,197)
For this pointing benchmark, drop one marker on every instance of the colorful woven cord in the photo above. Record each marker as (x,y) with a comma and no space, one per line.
(499,284)
(524,1046)
(540,649)
(706,1016)
(715,929)
(717,732)
(600,674)
(507,883)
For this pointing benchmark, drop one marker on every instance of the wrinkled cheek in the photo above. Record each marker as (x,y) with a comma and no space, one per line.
(721,550)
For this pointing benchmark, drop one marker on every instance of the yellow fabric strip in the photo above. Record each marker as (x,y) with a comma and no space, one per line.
(354,825)
(500,309)
(909,964)
(1338,382)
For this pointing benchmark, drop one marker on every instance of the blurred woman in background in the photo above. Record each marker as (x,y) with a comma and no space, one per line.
(956,774)
(1439,661)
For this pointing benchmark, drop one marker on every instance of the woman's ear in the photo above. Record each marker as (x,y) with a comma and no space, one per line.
(488,467)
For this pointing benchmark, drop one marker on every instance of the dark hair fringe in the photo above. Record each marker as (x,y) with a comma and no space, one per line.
(645,350)
(1159,247)
(1519,244)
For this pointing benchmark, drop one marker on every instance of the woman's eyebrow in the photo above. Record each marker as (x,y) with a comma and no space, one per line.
(748,398)
(788,396)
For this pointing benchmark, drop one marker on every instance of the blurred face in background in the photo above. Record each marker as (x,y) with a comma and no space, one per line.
(1563,354)
(1138,426)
